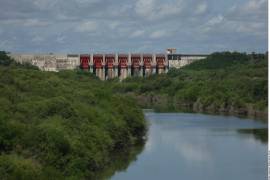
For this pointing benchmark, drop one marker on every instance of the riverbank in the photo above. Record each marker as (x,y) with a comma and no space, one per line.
(167,104)
(224,83)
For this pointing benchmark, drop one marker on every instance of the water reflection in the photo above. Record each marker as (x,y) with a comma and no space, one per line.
(194,146)
(121,161)
(258,134)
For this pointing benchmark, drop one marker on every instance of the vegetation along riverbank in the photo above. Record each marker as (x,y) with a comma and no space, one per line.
(61,125)
(227,83)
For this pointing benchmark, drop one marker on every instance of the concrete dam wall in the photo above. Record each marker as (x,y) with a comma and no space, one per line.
(108,66)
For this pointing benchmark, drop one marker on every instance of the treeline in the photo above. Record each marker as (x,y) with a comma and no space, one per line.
(226,82)
(64,125)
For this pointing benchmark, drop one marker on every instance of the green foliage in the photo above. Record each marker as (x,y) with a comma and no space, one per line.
(224,82)
(4,59)
(219,60)
(17,167)
(61,125)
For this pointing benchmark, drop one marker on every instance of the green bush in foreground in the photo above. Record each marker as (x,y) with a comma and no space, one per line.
(61,125)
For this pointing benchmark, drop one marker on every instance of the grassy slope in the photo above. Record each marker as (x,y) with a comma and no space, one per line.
(60,125)
(225,82)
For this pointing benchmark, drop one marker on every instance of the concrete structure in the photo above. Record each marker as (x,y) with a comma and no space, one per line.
(73,61)
(108,66)
(171,51)
(180,60)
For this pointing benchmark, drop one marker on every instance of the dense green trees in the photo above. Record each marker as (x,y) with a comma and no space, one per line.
(225,82)
(61,125)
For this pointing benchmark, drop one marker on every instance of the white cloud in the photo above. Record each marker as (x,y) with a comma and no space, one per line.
(211,24)
(26,22)
(201,8)
(145,7)
(113,24)
(254,28)
(86,1)
(120,11)
(159,34)
(45,4)
(215,20)
(254,5)
(137,33)
(60,39)
(248,19)
(252,10)
(157,9)
(234,26)
(88,26)
(35,23)
(37,39)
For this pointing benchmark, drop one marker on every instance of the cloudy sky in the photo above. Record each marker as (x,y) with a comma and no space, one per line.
(77,26)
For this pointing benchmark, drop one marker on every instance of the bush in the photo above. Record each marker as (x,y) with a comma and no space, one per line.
(17,167)
(63,125)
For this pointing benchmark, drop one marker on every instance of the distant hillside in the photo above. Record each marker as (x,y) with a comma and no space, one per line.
(232,83)
(219,61)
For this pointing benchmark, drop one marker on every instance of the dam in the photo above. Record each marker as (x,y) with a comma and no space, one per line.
(109,65)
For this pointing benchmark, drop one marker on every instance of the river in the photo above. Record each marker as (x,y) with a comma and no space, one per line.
(195,146)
